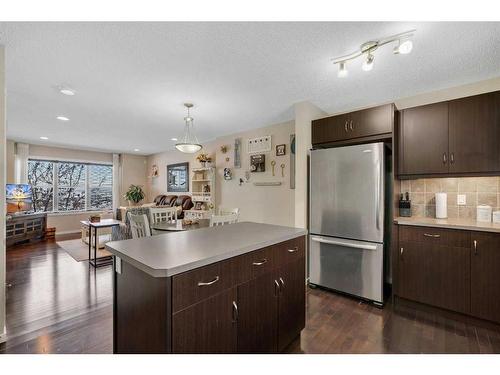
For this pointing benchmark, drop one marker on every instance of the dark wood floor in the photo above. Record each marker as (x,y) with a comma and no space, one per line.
(56,305)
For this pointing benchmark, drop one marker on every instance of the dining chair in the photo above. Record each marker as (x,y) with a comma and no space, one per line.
(228,211)
(217,220)
(161,214)
(139,225)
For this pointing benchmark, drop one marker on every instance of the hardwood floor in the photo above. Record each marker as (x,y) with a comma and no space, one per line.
(58,305)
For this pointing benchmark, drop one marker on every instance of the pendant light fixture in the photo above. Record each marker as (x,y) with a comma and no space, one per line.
(188,143)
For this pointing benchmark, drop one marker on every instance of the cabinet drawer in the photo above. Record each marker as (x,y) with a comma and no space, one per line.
(437,236)
(194,286)
(252,265)
(290,250)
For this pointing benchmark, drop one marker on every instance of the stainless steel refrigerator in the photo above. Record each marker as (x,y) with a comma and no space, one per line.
(347,201)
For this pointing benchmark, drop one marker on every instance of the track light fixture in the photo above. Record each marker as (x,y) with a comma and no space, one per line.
(405,45)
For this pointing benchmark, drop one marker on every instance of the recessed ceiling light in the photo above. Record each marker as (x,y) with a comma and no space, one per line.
(173,139)
(136,150)
(62,118)
(67,91)
(44,138)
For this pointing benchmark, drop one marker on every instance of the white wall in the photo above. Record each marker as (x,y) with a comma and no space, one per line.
(3,145)
(266,204)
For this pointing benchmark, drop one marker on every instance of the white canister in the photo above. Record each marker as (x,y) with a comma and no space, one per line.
(484,213)
(441,206)
(496,217)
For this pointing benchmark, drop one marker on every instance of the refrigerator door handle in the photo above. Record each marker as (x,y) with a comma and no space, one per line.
(345,244)
(377,202)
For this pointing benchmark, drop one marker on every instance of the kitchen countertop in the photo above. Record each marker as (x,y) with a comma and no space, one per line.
(170,254)
(463,224)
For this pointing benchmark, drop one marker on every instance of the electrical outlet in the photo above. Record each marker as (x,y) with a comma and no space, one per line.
(461,200)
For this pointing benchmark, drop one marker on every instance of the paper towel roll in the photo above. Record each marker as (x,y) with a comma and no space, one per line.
(441,207)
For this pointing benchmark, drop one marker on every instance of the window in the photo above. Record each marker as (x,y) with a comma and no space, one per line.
(60,186)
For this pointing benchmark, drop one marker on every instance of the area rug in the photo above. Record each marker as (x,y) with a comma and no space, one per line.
(79,250)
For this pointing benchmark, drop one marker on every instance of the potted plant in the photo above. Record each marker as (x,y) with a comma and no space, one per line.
(203,159)
(134,195)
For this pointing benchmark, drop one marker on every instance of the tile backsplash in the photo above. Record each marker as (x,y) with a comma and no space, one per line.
(477,190)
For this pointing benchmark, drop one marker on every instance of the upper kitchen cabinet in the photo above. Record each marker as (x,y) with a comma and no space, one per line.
(423,140)
(377,121)
(474,131)
(459,137)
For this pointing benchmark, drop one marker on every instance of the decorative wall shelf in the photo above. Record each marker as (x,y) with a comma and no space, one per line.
(276,183)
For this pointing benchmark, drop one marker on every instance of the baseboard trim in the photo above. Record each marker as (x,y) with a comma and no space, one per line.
(68,232)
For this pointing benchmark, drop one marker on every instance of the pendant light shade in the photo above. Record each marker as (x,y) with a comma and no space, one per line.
(188,143)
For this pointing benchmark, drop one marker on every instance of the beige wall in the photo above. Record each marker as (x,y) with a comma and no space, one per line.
(266,204)
(133,172)
(305,112)
(10,150)
(69,154)
(2,194)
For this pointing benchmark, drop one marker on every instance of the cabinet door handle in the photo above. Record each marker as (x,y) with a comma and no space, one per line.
(350,125)
(263,261)
(235,312)
(401,251)
(282,282)
(444,158)
(432,235)
(345,126)
(475,247)
(452,157)
(201,283)
(295,249)
(276,287)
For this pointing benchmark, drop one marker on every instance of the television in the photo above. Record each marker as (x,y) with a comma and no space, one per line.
(19,198)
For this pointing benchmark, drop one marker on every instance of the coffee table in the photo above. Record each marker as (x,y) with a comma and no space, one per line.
(104,223)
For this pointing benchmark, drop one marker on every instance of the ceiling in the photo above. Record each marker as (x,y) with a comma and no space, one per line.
(133,78)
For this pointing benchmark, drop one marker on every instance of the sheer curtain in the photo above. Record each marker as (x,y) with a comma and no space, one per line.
(117,180)
(21,163)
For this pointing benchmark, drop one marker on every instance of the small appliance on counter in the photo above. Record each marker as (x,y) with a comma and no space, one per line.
(484,213)
(405,205)
(441,206)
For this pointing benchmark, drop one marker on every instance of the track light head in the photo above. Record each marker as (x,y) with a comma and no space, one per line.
(403,48)
(342,70)
(368,64)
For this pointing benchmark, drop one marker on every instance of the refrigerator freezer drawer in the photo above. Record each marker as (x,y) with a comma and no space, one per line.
(349,266)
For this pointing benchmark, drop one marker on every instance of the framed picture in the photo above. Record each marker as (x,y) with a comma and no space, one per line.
(280,150)
(258,163)
(198,206)
(178,178)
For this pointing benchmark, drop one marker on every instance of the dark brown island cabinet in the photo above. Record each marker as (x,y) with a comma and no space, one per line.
(457,270)
(459,137)
(250,303)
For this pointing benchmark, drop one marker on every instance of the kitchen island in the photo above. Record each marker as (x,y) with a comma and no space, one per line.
(236,288)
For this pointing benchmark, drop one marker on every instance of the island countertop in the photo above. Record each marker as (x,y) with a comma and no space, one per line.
(173,253)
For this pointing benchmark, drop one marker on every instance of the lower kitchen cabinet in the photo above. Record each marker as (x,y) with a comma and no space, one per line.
(435,274)
(271,310)
(292,294)
(207,327)
(258,315)
(457,270)
(485,276)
